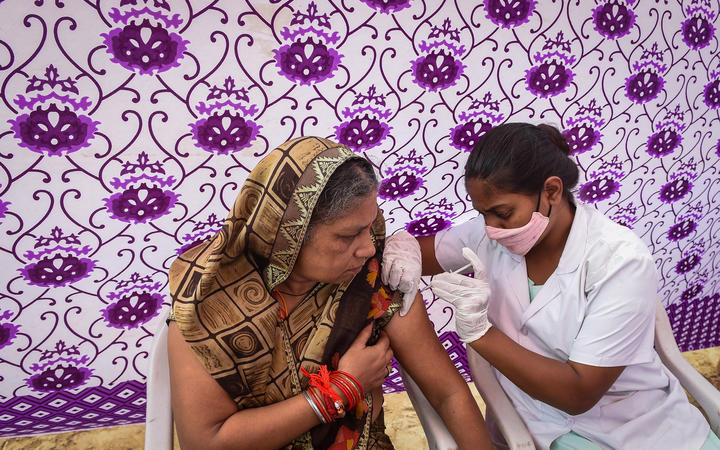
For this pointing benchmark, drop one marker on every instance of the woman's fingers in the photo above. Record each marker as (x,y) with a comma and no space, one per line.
(363,336)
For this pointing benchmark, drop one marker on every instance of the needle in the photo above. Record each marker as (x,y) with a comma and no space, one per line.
(462,269)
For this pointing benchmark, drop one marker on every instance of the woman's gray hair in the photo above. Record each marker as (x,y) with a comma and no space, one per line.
(350,183)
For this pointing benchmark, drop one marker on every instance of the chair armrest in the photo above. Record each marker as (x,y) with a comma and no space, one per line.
(701,389)
(438,436)
(158,413)
(498,404)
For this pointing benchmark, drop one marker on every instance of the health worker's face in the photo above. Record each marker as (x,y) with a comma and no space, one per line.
(503,209)
(337,250)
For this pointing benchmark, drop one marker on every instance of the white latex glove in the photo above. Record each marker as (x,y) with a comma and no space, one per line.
(468,295)
(402,266)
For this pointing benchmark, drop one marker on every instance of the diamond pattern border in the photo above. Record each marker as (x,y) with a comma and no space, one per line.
(59,412)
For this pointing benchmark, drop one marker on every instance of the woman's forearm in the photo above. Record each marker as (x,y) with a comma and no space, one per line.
(463,419)
(418,350)
(568,386)
(268,427)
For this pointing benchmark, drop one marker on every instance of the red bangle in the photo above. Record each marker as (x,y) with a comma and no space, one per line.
(320,404)
(354,380)
(347,387)
(332,403)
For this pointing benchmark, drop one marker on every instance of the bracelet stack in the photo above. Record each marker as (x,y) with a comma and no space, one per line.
(324,401)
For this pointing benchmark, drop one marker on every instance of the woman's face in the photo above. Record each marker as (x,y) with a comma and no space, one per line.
(337,250)
(503,209)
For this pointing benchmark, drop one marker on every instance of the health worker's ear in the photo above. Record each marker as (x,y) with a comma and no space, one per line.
(553,189)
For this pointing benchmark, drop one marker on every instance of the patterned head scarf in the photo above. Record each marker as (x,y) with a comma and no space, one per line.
(221,291)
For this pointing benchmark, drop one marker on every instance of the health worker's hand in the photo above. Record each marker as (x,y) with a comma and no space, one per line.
(468,295)
(402,266)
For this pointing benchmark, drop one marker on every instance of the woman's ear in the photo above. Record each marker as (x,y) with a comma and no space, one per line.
(554,189)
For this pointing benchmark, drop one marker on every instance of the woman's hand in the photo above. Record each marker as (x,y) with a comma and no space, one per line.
(368,364)
(402,266)
(468,295)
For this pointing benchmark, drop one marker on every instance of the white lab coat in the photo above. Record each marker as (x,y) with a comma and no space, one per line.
(597,308)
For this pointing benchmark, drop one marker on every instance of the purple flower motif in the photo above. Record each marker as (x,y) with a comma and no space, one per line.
(548,79)
(387,6)
(53,130)
(362,132)
(581,138)
(711,94)
(3,209)
(697,32)
(400,185)
(613,19)
(427,225)
(224,133)
(57,270)
(437,70)
(681,230)
(598,189)
(692,291)
(58,378)
(307,62)
(466,135)
(663,142)
(140,204)
(509,13)
(717,148)
(643,86)
(687,264)
(8,331)
(190,245)
(133,310)
(147,48)
(675,190)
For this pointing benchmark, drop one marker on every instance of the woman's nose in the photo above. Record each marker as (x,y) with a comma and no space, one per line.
(366,248)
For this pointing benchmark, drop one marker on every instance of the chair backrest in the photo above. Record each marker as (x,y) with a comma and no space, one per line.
(158,414)
(695,384)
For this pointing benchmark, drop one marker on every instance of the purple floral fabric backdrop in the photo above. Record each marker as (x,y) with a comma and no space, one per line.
(128,126)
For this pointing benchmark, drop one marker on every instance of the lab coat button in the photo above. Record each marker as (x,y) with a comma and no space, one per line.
(569,421)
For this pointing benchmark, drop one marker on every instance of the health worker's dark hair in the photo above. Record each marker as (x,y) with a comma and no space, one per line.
(519,157)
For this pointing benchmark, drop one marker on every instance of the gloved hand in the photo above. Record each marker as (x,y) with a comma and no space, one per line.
(402,266)
(468,295)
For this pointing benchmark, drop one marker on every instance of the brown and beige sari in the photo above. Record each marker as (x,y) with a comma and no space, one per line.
(223,305)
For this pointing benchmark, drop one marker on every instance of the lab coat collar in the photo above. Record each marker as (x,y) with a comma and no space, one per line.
(569,262)
(574,250)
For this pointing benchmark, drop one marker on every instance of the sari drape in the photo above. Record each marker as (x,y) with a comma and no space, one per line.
(222,293)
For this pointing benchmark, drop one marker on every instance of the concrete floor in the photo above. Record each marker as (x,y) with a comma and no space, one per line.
(402,424)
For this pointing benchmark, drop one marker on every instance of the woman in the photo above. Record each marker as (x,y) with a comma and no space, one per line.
(572,305)
(282,332)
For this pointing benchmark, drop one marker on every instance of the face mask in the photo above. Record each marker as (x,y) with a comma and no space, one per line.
(521,240)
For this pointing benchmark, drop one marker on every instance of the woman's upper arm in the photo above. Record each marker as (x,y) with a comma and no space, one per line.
(417,348)
(430,264)
(200,405)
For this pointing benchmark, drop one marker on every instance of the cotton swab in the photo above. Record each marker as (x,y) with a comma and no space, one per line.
(462,269)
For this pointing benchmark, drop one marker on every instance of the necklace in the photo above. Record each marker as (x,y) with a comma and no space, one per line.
(283,311)
(294,294)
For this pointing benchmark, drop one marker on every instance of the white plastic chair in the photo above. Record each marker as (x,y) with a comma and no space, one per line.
(158,415)
(159,418)
(516,434)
